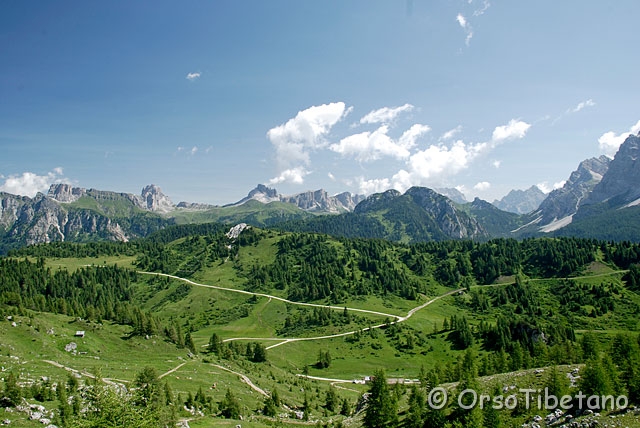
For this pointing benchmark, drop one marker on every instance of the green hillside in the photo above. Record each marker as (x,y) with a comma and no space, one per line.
(273,326)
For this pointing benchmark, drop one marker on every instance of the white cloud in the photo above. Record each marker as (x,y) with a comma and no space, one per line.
(482,186)
(375,185)
(385,115)
(371,146)
(483,9)
(610,142)
(293,175)
(546,188)
(515,129)
(496,164)
(193,76)
(436,162)
(461,20)
(331,176)
(464,24)
(582,106)
(193,150)
(307,131)
(29,184)
(451,133)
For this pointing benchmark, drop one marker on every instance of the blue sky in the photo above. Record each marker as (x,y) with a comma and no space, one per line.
(208,99)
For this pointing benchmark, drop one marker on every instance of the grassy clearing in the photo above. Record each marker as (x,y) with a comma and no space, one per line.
(72,264)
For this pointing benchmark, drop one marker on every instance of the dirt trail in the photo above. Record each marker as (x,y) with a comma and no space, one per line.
(173,370)
(245,379)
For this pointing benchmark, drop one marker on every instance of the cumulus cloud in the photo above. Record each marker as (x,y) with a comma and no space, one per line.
(545,187)
(370,146)
(515,129)
(439,161)
(610,142)
(193,76)
(496,164)
(451,133)
(294,139)
(385,115)
(29,183)
(375,185)
(582,106)
(293,175)
(482,186)
(464,24)
(331,176)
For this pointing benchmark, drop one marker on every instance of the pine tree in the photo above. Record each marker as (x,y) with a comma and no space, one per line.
(214,344)
(593,379)
(12,391)
(556,384)
(382,408)
(332,399)
(269,408)
(415,415)
(345,408)
(259,353)
(230,407)
(188,342)
(65,410)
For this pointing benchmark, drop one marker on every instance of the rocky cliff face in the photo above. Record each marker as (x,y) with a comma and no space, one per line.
(151,198)
(59,216)
(156,201)
(558,208)
(316,201)
(65,192)
(621,182)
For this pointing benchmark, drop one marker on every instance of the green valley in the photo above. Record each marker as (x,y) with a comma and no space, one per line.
(198,326)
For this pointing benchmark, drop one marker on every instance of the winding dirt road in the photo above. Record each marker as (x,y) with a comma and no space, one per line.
(283,340)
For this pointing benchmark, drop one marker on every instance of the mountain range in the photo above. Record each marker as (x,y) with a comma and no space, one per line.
(600,199)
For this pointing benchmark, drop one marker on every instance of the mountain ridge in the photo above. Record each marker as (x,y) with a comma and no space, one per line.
(310,200)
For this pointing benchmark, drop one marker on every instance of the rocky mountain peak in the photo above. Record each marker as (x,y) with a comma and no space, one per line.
(155,200)
(521,201)
(558,208)
(62,192)
(311,200)
(621,181)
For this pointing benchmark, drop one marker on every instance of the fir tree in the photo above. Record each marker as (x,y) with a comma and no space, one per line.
(230,407)
(382,408)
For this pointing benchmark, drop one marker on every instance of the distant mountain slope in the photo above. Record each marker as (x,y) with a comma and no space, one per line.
(557,210)
(454,194)
(253,212)
(112,203)
(496,222)
(317,201)
(521,201)
(420,214)
(27,221)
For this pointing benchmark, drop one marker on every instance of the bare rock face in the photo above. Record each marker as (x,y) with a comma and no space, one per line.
(156,201)
(564,202)
(315,201)
(65,192)
(54,217)
(621,183)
